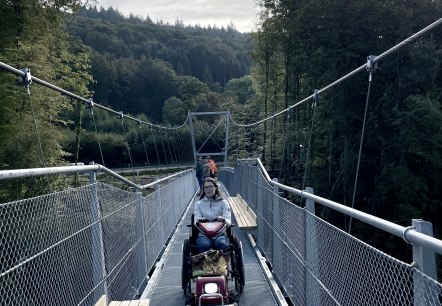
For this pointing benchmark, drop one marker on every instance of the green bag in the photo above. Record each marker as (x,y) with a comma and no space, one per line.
(212,262)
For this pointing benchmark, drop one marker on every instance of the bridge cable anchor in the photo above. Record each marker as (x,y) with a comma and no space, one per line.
(90,103)
(404,233)
(371,65)
(25,79)
(316,96)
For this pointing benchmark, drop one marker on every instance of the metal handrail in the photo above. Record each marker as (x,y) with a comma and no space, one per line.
(32,172)
(410,235)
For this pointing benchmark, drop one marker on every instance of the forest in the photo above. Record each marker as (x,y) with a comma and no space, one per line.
(160,71)
(138,65)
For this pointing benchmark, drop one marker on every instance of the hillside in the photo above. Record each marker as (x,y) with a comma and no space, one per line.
(137,64)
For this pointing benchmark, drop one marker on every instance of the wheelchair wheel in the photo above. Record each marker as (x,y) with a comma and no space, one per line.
(185,267)
(239,266)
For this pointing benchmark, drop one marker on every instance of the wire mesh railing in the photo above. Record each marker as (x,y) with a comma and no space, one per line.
(316,263)
(74,246)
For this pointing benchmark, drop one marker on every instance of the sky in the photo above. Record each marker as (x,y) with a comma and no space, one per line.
(192,12)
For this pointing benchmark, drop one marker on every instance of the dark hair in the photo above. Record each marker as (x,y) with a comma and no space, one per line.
(217,193)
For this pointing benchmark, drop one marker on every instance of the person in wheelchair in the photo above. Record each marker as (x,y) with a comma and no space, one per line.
(212,206)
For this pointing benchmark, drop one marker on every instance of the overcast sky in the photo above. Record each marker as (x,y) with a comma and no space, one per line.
(203,12)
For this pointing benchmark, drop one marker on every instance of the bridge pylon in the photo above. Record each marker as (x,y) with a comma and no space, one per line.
(224,149)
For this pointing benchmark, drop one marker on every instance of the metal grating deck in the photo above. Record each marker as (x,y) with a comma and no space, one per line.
(166,291)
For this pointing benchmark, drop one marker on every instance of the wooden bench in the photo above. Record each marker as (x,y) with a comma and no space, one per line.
(244,215)
(102,302)
(130,303)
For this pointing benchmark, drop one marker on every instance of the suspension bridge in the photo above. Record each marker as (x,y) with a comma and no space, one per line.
(104,242)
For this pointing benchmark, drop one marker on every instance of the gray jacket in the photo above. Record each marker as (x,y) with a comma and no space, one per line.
(212,208)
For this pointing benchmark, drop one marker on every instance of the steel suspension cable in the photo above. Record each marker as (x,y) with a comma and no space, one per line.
(168,145)
(127,144)
(155,145)
(175,147)
(282,160)
(179,152)
(371,69)
(315,101)
(28,92)
(164,149)
(357,70)
(180,147)
(91,106)
(189,149)
(144,145)
(214,130)
(24,74)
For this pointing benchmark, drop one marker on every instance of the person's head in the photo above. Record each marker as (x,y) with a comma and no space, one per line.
(210,189)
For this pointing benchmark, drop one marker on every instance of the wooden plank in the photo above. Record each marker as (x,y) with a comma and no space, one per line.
(245,217)
(101,301)
(130,303)
(237,212)
(247,212)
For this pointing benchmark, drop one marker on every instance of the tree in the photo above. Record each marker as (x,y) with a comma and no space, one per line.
(300,49)
(35,39)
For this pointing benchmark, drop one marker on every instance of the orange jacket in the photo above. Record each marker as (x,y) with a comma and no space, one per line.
(213,168)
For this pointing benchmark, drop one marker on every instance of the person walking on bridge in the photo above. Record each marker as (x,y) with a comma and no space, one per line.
(213,169)
(199,171)
(206,169)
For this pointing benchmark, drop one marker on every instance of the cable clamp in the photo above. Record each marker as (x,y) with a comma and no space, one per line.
(408,228)
(120,115)
(90,103)
(26,78)
(315,96)
(371,65)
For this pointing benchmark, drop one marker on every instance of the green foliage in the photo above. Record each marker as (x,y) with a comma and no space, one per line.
(242,88)
(138,65)
(32,37)
(300,48)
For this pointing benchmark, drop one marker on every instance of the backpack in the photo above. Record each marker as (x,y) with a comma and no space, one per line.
(212,262)
(206,170)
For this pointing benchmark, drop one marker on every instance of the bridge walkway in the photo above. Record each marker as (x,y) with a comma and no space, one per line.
(166,291)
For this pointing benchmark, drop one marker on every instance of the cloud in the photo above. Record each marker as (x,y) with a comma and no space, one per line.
(203,12)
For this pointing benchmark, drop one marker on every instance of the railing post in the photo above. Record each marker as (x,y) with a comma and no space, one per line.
(309,203)
(160,208)
(312,293)
(142,256)
(98,259)
(425,261)
(276,220)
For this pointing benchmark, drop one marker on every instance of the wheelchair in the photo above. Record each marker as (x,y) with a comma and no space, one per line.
(212,289)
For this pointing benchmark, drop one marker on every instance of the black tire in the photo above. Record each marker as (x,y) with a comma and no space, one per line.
(239,266)
(185,267)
